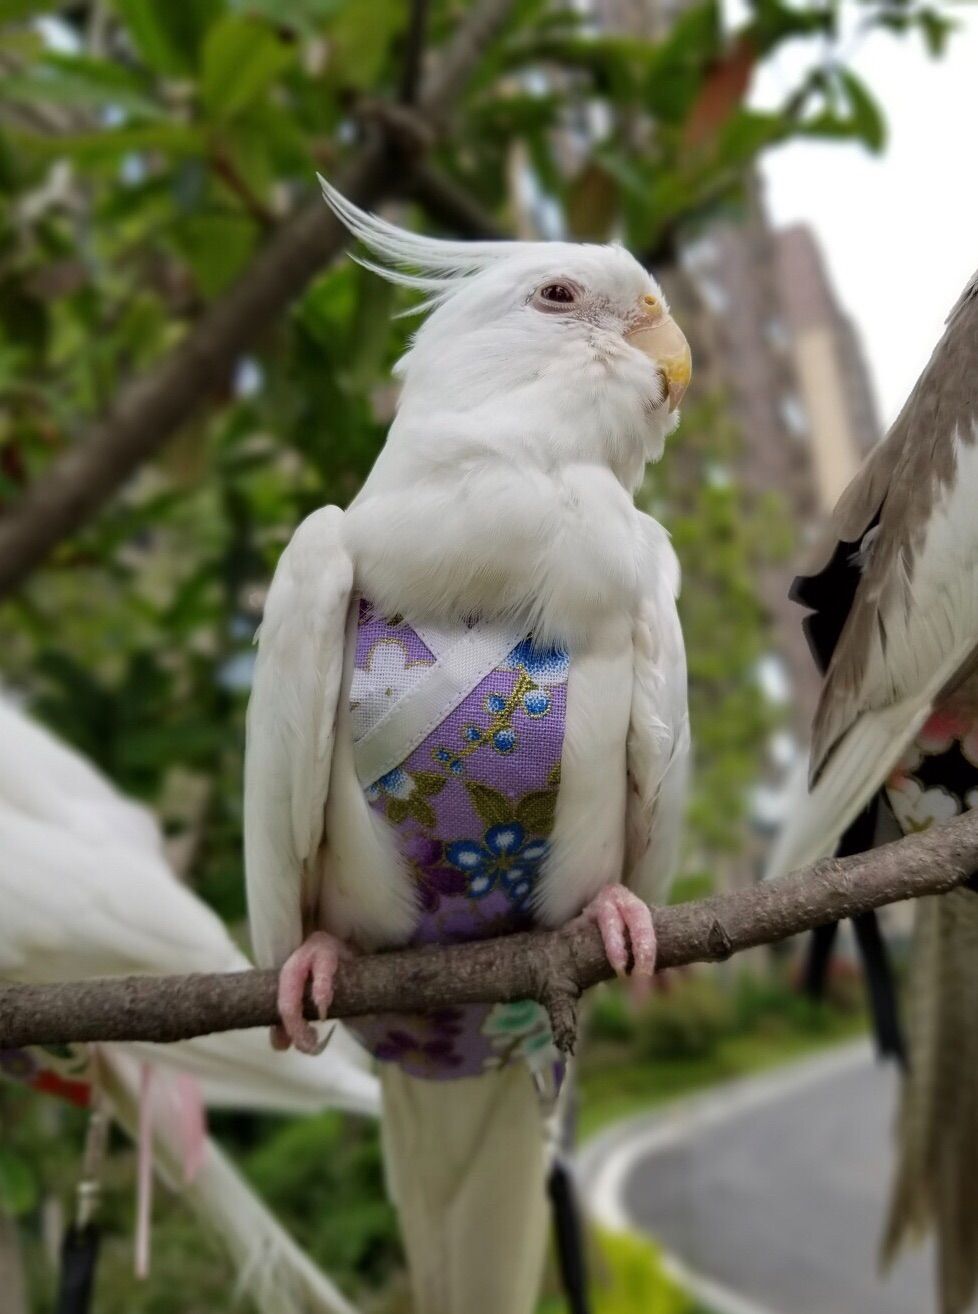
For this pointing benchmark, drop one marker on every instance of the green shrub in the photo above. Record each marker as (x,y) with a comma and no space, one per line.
(323,1177)
(686,1021)
(629,1278)
(611,1016)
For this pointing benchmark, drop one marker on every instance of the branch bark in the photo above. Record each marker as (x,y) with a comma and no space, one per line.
(553,967)
(414,46)
(152,408)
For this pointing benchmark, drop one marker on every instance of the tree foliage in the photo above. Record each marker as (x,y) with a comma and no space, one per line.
(146,151)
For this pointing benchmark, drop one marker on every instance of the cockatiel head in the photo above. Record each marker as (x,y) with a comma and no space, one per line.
(577,337)
(542,380)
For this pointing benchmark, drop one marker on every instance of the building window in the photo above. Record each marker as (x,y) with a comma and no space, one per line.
(793,416)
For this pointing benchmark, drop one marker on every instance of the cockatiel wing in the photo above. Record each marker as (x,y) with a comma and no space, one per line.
(86,891)
(895,592)
(658,733)
(84,884)
(291,724)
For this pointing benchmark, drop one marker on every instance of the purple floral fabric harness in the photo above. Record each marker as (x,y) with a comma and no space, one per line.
(458,736)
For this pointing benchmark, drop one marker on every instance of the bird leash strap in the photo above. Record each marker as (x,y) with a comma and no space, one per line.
(80,1247)
(877,968)
(568,1235)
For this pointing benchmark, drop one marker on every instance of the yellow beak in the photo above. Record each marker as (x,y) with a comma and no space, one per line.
(661,339)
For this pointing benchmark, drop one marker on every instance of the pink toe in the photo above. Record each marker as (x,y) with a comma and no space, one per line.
(291,990)
(626,929)
(314,964)
(641,935)
(323,977)
(613,936)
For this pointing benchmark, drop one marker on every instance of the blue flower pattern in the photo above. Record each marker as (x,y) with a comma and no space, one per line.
(395,784)
(505,857)
(545,667)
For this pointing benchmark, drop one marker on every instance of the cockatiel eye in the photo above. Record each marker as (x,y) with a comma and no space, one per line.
(556,296)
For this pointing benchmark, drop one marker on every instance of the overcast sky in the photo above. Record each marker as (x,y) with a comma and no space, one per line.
(899,230)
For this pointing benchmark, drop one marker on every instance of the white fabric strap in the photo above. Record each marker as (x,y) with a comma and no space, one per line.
(455,673)
(437,640)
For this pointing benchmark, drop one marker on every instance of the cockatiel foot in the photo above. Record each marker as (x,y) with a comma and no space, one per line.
(315,961)
(624,922)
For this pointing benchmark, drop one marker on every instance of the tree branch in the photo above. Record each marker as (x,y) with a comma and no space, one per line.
(553,967)
(449,205)
(152,408)
(482,25)
(414,44)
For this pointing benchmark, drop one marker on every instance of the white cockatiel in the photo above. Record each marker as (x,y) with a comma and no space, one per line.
(487,639)
(86,891)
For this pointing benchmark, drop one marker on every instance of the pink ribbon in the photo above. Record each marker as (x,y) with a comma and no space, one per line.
(186,1109)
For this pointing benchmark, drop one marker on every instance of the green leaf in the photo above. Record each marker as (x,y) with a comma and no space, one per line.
(421,810)
(428,783)
(676,74)
(494,808)
(398,810)
(749,132)
(936,28)
(241,58)
(305,16)
(535,811)
(361,47)
(106,147)
(18,1185)
(71,80)
(168,34)
(12,11)
(775,23)
(867,117)
(216,246)
(370,330)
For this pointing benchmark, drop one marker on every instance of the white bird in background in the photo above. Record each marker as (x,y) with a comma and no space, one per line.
(86,891)
(469,712)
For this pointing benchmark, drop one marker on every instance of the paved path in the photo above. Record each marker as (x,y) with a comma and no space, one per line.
(769,1193)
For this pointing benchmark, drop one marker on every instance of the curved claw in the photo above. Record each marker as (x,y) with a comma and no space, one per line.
(315,962)
(625,923)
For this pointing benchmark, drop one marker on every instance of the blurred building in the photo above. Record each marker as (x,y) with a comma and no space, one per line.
(830,367)
(770,333)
